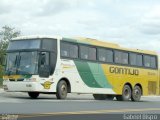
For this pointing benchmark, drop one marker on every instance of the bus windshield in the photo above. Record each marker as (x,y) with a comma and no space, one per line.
(22,63)
(24,44)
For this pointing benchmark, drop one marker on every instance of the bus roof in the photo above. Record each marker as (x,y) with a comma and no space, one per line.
(88,41)
(36,37)
(103,43)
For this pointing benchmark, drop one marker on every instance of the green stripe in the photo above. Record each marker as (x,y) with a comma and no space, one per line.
(99,75)
(27,76)
(103,77)
(92,74)
(86,74)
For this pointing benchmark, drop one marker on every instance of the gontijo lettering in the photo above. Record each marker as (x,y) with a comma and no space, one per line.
(125,71)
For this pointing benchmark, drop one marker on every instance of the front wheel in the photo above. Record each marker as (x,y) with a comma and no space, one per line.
(61,90)
(126,94)
(136,94)
(33,95)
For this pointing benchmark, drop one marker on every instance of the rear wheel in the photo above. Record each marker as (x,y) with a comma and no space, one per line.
(126,94)
(33,95)
(136,94)
(99,96)
(61,90)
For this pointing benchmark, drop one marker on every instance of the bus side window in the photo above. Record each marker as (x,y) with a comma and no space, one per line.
(124,58)
(153,62)
(117,57)
(92,53)
(105,55)
(84,52)
(139,60)
(44,59)
(73,51)
(69,50)
(133,58)
(65,49)
(147,61)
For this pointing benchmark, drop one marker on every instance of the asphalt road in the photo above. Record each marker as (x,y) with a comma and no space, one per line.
(75,106)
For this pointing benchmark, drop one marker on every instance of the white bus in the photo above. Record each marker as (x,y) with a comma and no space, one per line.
(43,64)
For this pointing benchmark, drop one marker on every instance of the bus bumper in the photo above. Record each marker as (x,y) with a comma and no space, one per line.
(22,86)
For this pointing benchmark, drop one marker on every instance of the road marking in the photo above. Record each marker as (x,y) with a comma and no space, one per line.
(11,101)
(90,112)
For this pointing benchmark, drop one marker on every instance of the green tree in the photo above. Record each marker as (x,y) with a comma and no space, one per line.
(6,34)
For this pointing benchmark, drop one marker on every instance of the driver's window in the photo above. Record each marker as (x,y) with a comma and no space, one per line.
(44,58)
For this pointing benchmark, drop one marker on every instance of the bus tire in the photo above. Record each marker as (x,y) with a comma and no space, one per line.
(126,94)
(61,90)
(99,96)
(136,94)
(109,97)
(33,95)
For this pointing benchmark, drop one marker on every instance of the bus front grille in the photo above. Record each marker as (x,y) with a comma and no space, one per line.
(21,79)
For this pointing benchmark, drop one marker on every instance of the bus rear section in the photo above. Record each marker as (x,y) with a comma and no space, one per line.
(108,70)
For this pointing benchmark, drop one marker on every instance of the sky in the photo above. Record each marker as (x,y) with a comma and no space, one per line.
(130,23)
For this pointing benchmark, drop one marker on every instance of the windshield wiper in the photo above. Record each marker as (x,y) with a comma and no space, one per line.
(9,72)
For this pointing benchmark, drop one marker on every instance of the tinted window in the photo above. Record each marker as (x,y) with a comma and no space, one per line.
(117,57)
(139,60)
(105,55)
(49,44)
(88,53)
(69,50)
(64,49)
(153,62)
(73,51)
(124,59)
(121,57)
(92,53)
(135,59)
(24,44)
(84,52)
(147,62)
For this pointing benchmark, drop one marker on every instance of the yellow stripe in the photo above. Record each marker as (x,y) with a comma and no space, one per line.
(90,112)
(12,77)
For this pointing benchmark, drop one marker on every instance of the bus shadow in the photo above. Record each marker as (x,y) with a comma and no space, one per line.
(44,97)
(73,99)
